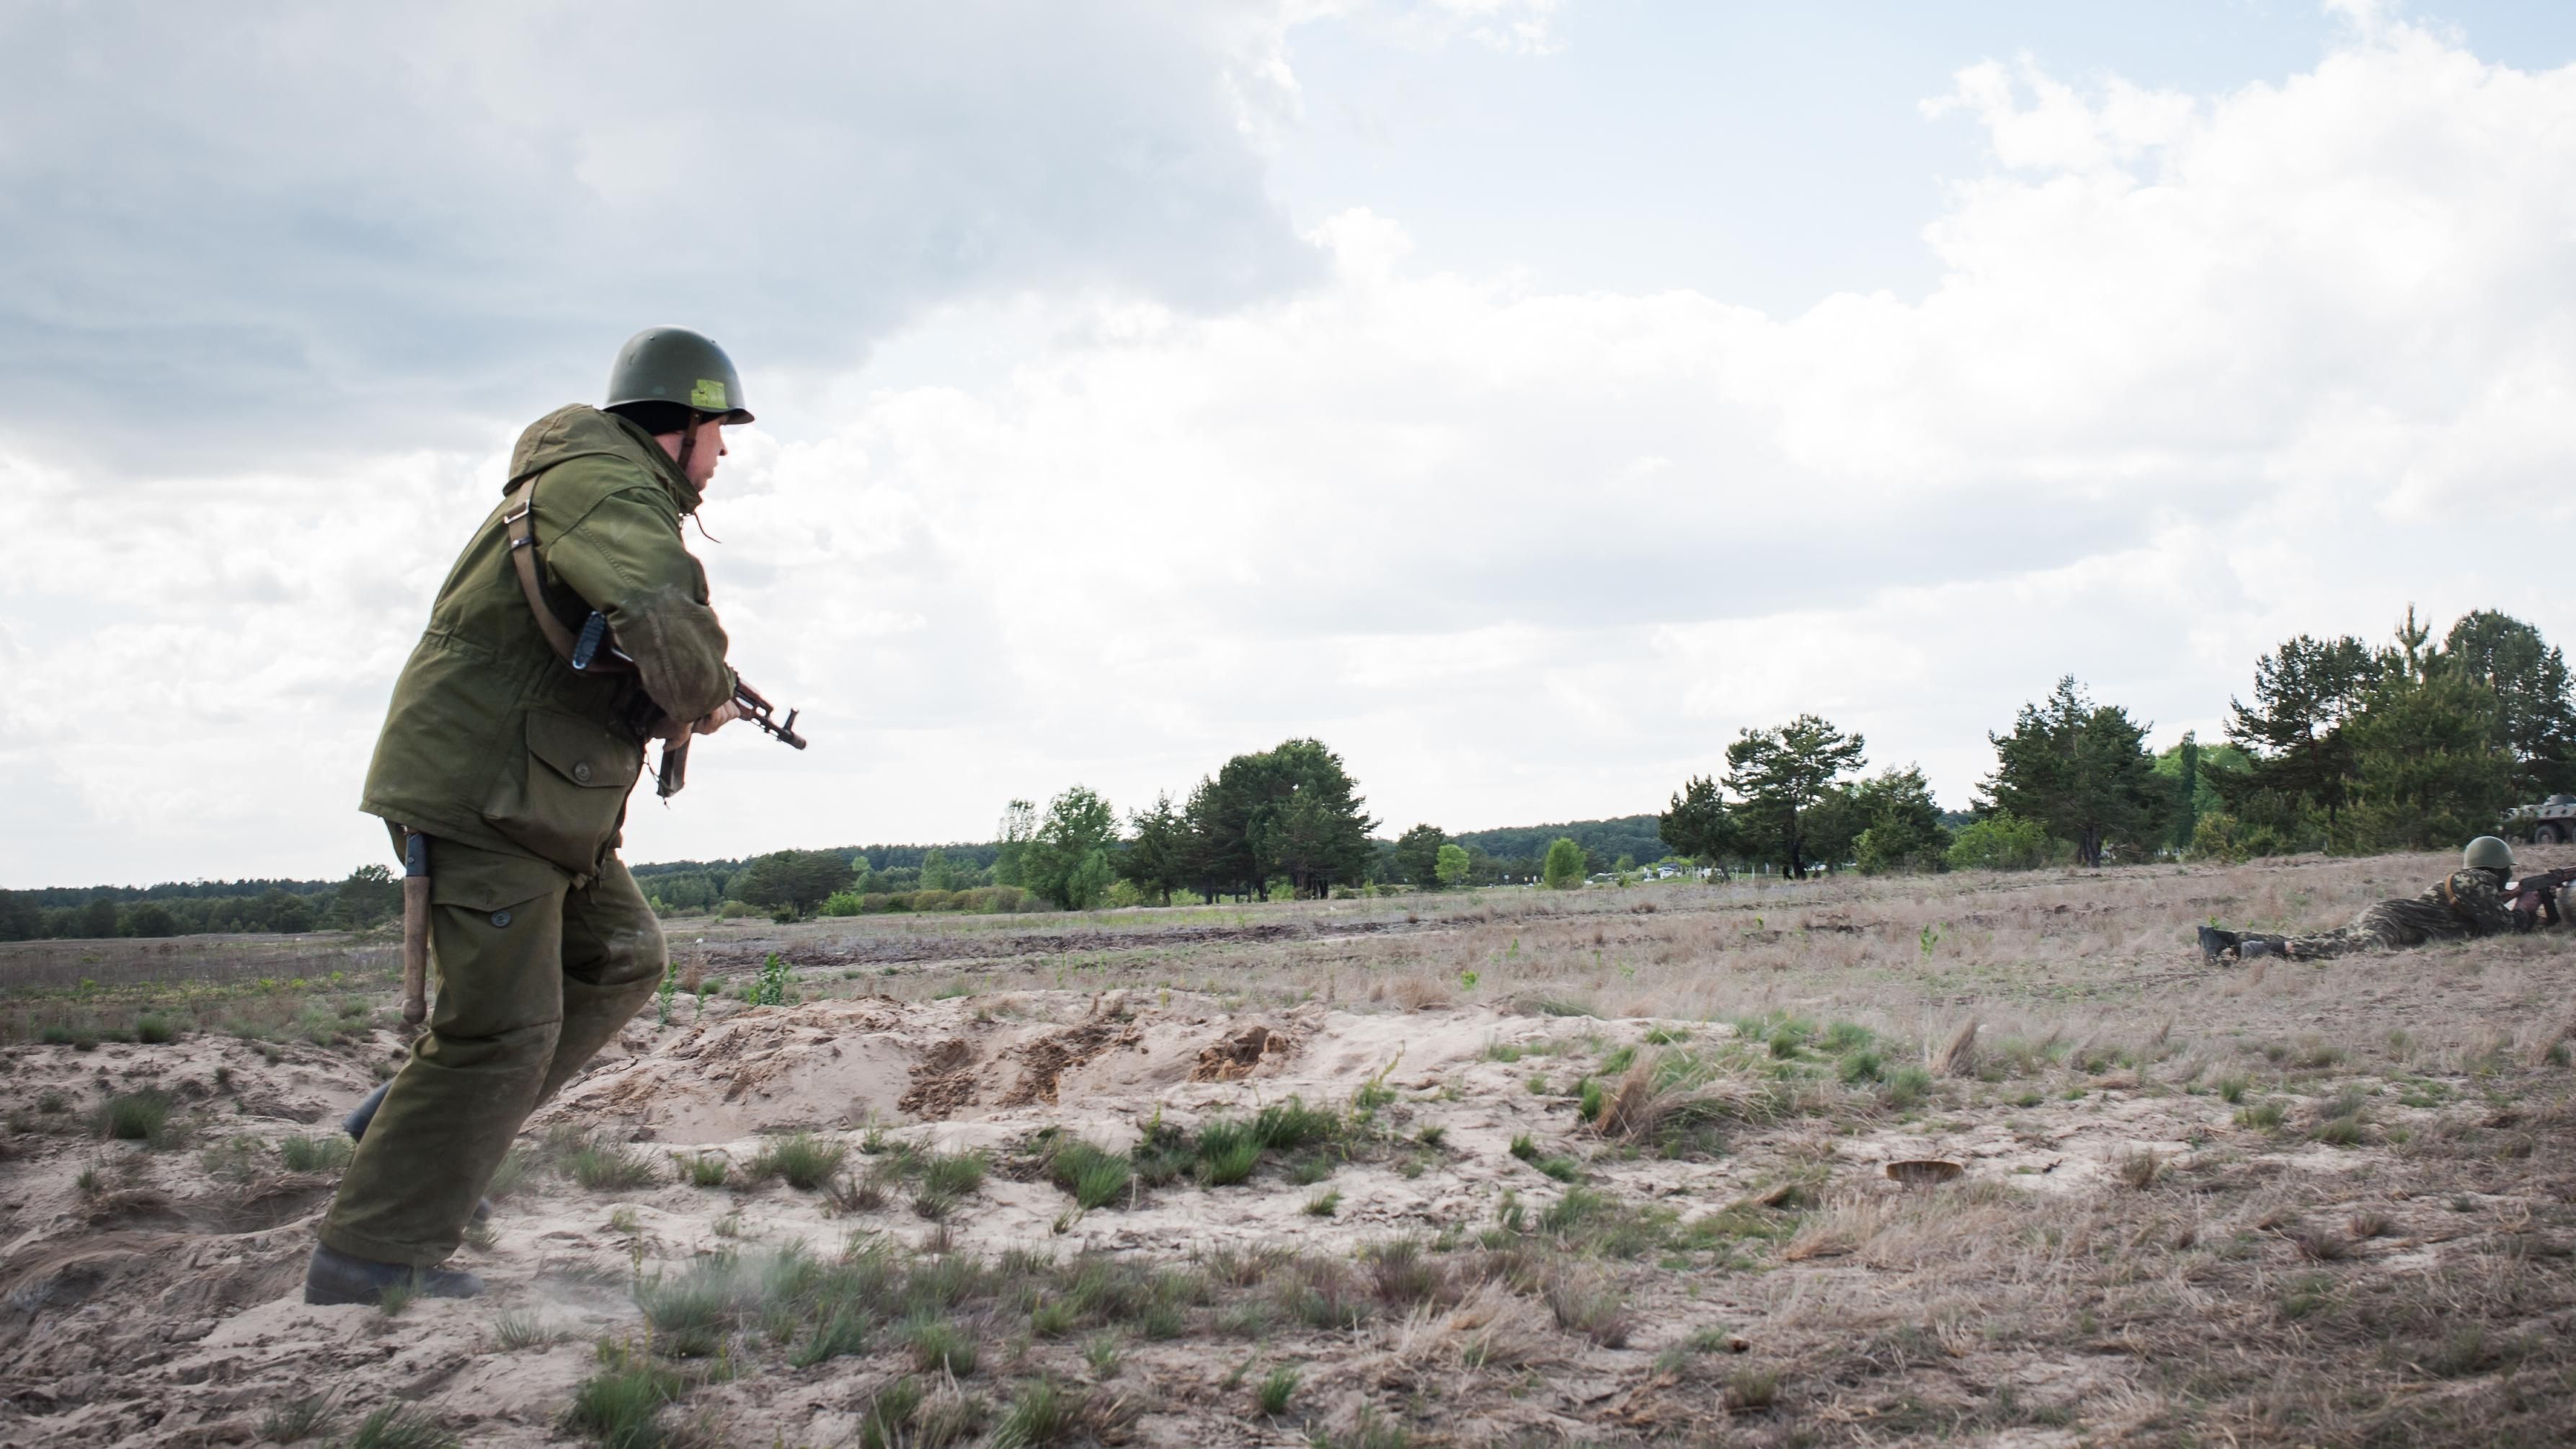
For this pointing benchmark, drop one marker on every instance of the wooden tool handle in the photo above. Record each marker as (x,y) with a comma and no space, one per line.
(415,949)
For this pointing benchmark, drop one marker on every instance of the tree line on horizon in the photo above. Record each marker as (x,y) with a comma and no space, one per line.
(2344,747)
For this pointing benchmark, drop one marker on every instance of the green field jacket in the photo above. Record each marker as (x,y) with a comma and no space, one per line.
(492,739)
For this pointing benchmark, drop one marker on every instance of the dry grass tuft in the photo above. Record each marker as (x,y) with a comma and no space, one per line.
(2139,1170)
(1958,1058)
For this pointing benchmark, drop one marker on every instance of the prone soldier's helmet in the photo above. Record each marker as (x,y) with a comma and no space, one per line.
(2487,853)
(678,368)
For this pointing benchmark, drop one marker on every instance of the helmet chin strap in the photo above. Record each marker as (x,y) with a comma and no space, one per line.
(689,441)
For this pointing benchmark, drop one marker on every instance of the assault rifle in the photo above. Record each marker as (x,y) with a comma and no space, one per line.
(674,771)
(2534,898)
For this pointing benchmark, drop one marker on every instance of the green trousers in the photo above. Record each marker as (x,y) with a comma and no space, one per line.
(536,972)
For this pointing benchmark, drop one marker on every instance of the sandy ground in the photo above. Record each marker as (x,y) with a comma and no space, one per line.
(2126,1255)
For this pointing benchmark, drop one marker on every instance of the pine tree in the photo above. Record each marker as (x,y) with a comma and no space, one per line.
(2082,771)
(1697,824)
(1781,773)
(2535,712)
(1157,858)
(2430,769)
(2293,733)
(1417,856)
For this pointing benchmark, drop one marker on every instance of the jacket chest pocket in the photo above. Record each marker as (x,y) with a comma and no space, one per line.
(567,797)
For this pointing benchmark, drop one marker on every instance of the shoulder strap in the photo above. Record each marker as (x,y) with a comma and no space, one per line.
(520,525)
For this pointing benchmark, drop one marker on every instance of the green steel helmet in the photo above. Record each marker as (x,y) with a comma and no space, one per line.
(677,366)
(2487,853)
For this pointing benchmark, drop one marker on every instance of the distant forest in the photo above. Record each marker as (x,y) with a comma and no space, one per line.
(2345,747)
(370,894)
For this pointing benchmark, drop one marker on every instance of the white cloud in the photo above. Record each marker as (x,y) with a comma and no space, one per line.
(325,225)
(2202,372)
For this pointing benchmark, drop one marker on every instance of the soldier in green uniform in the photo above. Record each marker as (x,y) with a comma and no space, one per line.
(2468,902)
(516,767)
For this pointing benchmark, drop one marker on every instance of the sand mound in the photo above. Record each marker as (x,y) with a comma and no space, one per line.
(835,1065)
(942,1083)
(1240,1055)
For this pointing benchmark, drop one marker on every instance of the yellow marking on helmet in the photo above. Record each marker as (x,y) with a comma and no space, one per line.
(709,394)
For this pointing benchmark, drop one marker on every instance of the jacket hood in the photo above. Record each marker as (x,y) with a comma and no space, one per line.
(581,430)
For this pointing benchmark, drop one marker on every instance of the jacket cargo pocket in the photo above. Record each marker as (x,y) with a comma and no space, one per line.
(565,798)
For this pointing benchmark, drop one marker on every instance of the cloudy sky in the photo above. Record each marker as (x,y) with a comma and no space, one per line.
(1522,397)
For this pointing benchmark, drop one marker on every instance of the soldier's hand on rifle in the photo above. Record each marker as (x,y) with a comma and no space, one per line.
(672,732)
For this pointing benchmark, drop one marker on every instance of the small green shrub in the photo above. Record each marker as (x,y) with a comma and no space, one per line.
(618,1405)
(134,1117)
(315,1154)
(1043,1414)
(154,1031)
(1906,1087)
(805,1161)
(1286,1126)
(1095,1177)
(604,1166)
(940,1346)
(400,1426)
(888,1419)
(1277,1387)
(950,1174)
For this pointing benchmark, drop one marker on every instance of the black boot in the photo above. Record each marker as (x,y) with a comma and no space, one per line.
(355,1124)
(335,1277)
(2217,945)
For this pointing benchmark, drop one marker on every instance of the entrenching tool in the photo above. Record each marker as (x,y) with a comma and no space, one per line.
(415,928)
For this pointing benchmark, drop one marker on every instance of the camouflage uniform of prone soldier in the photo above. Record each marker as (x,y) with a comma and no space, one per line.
(508,768)
(2468,902)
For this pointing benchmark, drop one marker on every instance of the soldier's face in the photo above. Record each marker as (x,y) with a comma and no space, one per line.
(703,457)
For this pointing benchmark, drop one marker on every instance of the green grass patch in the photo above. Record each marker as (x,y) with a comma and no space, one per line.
(605,1166)
(315,1154)
(400,1426)
(134,1117)
(803,1160)
(1095,1176)
(620,1405)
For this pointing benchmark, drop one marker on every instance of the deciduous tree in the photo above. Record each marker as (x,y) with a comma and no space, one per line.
(1067,860)
(1564,868)
(791,883)
(1453,867)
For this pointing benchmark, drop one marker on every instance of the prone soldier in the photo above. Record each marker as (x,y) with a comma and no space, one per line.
(2469,902)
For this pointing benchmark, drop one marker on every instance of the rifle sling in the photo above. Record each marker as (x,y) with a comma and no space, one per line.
(520,524)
